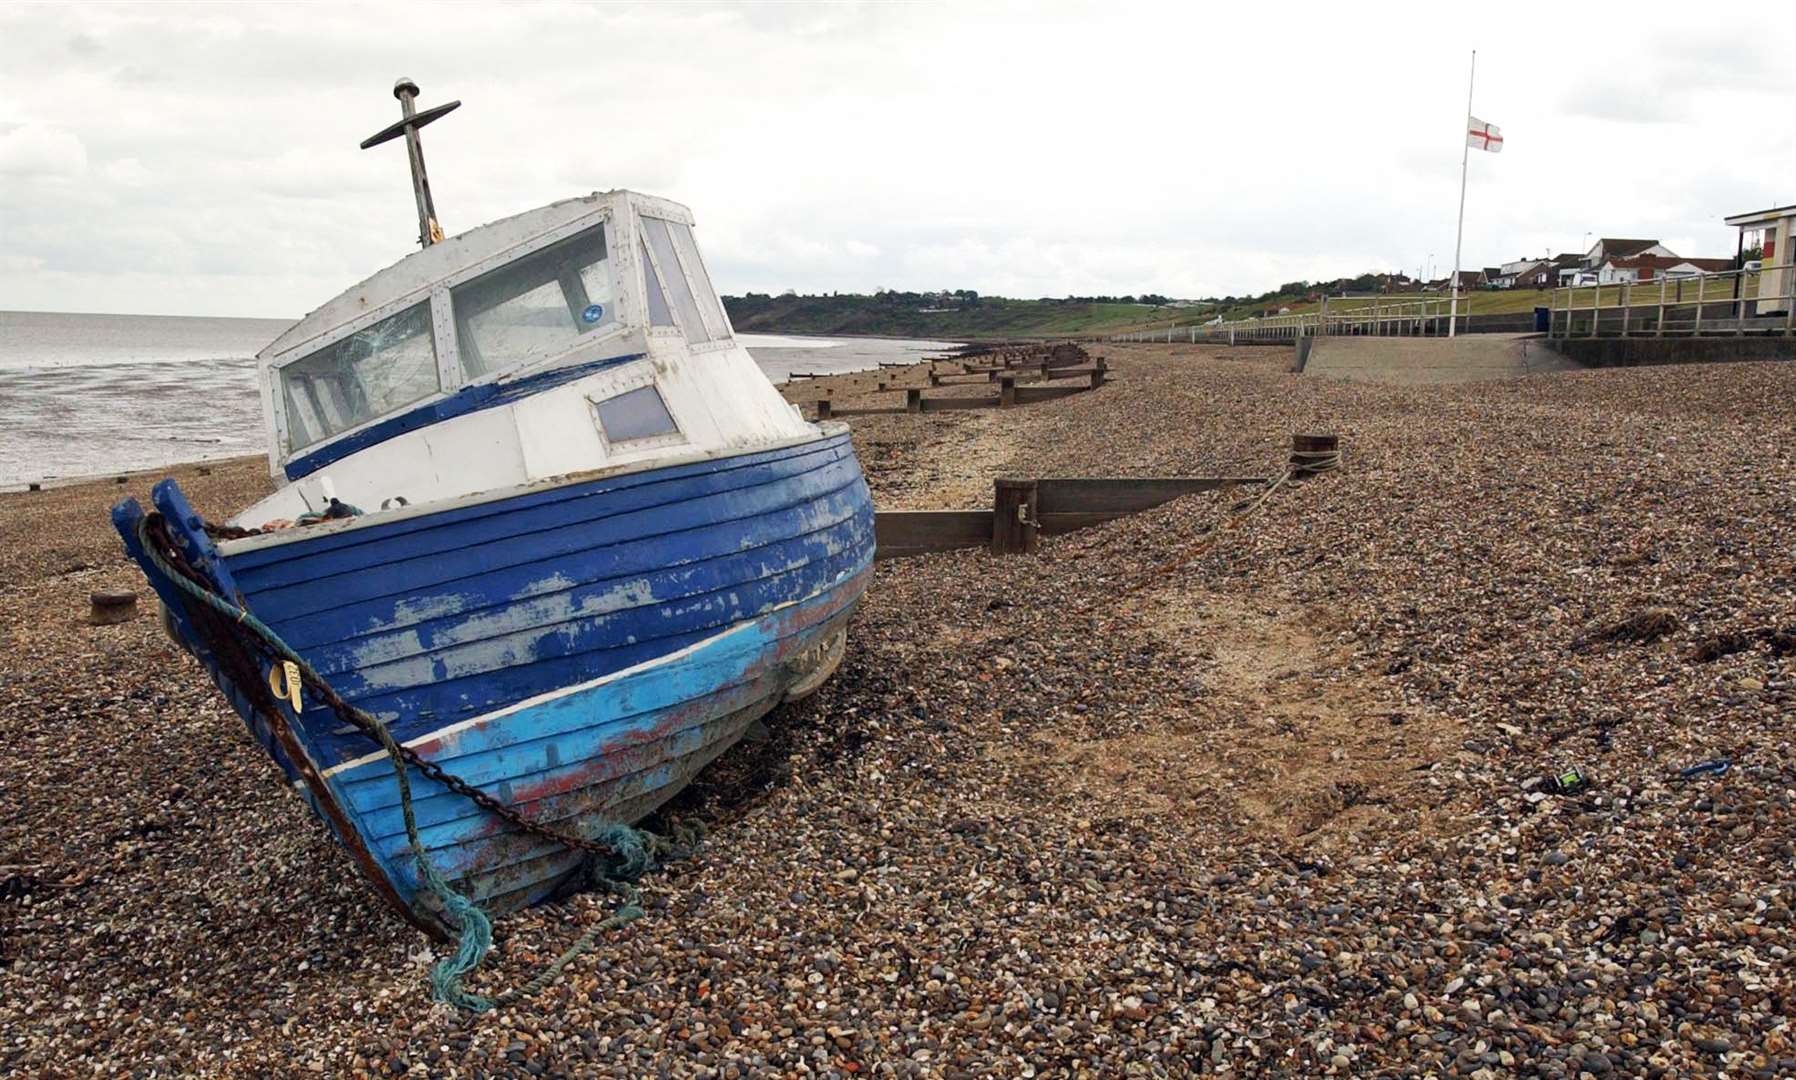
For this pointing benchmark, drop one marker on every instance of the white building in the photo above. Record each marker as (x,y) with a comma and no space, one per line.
(1654,267)
(1510,271)
(1612,248)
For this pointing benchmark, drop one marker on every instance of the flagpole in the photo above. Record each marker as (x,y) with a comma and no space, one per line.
(1465,154)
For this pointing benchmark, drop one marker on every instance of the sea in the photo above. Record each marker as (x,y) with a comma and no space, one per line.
(90,395)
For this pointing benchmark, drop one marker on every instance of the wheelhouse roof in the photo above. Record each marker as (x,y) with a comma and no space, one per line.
(417,273)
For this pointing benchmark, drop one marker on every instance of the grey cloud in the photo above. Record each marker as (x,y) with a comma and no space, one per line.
(40,151)
(1037,151)
(1628,102)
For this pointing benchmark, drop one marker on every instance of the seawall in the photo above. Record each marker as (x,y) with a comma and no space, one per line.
(1639,352)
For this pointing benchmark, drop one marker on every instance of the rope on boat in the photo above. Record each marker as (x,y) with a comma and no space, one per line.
(617,857)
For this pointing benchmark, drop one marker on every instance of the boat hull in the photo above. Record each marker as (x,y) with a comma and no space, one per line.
(577,650)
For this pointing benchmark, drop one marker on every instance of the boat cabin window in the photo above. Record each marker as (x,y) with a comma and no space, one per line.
(369,373)
(658,313)
(635,415)
(695,269)
(535,307)
(685,304)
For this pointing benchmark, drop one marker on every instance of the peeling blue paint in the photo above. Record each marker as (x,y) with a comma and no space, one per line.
(581,650)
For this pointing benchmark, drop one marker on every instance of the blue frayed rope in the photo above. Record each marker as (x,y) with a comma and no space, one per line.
(633,852)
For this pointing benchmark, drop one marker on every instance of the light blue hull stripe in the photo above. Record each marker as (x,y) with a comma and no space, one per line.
(576,651)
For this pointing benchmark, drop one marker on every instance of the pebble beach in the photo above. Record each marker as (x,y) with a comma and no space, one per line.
(1179,795)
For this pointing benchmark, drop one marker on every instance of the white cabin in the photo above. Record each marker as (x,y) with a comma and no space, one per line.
(578,337)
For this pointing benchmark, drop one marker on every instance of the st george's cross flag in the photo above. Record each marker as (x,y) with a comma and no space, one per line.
(1482,136)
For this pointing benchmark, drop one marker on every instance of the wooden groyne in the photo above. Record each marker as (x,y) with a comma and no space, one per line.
(1020,374)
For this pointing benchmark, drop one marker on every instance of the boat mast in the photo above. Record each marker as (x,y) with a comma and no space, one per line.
(429,232)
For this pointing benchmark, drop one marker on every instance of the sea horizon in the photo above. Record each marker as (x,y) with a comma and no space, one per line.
(85,395)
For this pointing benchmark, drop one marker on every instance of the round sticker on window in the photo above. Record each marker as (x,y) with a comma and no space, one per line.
(593,313)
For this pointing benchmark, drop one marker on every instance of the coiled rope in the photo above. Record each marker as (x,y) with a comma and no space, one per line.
(618,856)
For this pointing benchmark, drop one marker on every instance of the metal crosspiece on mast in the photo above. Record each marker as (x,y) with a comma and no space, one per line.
(429,232)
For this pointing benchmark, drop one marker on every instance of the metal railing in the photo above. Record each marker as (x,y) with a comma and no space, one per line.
(1730,302)
(1337,317)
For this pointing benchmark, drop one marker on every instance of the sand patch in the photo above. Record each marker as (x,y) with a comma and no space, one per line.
(1279,740)
(1306,748)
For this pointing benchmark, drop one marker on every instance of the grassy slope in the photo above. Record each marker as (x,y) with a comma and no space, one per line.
(996,317)
(990,318)
(1509,301)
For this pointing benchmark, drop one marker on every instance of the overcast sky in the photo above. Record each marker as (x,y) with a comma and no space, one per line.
(202,159)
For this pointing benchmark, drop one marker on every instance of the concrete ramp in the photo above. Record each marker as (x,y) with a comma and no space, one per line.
(1415,361)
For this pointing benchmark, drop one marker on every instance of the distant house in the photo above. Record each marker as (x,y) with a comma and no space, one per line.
(1652,267)
(1610,248)
(1552,272)
(1538,273)
(1585,270)
(1506,275)
(1510,274)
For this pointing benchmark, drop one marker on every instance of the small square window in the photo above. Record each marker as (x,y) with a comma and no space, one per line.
(634,414)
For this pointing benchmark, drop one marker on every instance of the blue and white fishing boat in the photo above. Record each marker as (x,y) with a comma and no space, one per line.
(541,516)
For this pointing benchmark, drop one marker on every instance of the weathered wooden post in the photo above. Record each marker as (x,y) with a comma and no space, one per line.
(1015,527)
(1312,454)
(107,607)
(1006,391)
(913,400)
(822,409)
